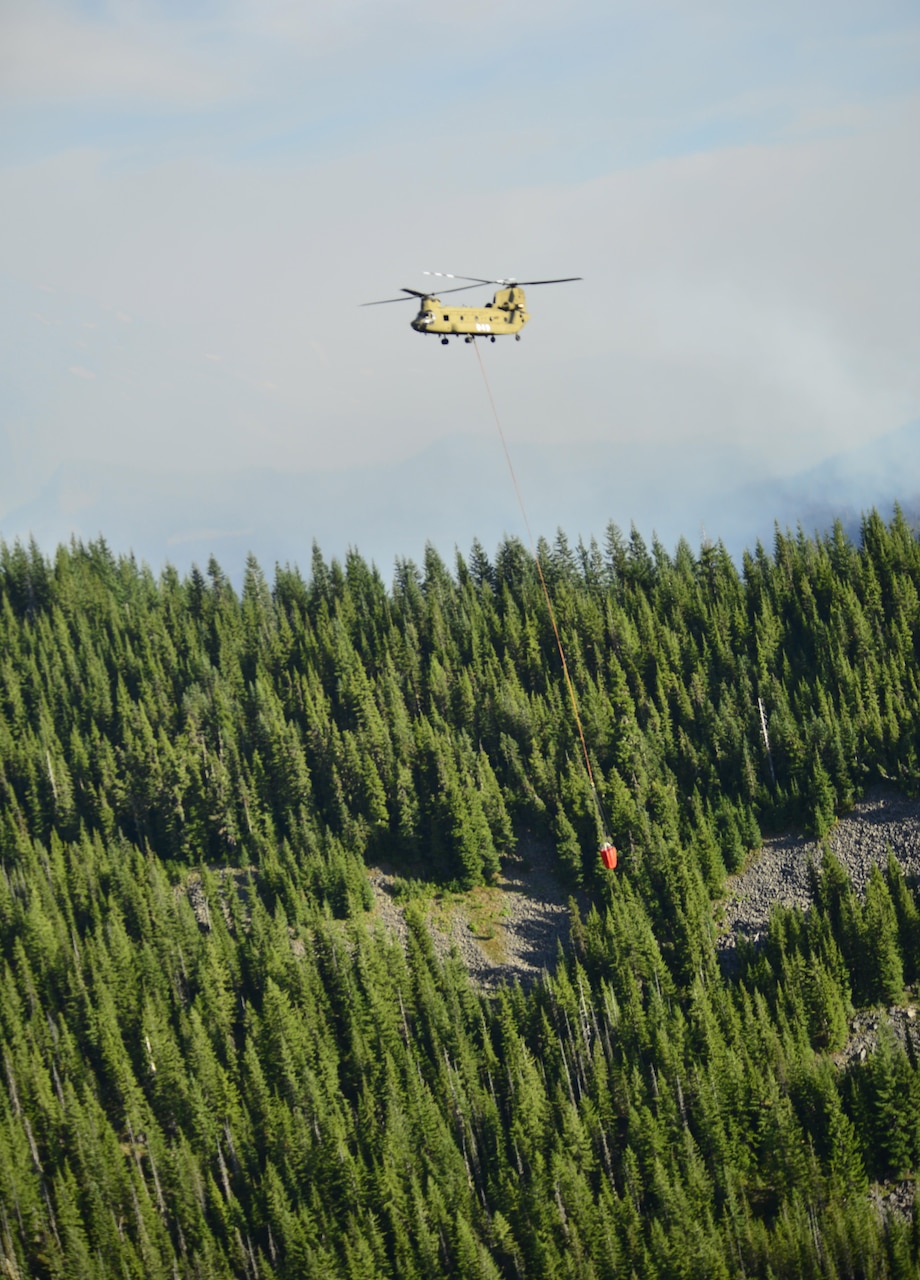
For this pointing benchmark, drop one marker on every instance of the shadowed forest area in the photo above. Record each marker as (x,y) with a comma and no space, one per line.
(217,1062)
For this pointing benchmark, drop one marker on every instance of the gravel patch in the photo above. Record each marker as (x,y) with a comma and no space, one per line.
(503,932)
(862,1040)
(779,873)
(894,1199)
(230,881)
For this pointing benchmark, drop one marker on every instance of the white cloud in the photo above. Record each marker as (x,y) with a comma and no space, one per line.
(55,51)
(52,52)
(79,372)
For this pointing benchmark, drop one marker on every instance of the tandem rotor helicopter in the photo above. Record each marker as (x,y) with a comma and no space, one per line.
(505,314)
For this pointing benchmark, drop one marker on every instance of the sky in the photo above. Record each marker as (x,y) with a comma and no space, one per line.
(197,198)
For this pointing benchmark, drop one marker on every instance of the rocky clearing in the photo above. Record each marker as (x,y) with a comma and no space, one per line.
(511,930)
(779,872)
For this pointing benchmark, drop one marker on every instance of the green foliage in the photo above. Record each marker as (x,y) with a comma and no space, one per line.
(215,1062)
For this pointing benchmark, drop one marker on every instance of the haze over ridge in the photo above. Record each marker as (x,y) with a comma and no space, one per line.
(457,490)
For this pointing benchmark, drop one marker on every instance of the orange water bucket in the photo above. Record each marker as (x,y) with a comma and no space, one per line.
(609,856)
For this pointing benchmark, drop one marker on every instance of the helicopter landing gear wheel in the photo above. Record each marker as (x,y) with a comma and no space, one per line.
(492,339)
(468,338)
(517,337)
(443,342)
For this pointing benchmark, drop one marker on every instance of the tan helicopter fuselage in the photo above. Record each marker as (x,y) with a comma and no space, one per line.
(506,313)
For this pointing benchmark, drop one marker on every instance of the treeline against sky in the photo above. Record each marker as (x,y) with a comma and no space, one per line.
(272,1088)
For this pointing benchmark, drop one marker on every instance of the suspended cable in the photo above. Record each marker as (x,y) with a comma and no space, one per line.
(549,604)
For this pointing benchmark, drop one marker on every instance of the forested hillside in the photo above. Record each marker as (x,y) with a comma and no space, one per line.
(215,1064)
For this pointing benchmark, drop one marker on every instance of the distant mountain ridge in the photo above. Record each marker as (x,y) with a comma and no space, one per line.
(457,490)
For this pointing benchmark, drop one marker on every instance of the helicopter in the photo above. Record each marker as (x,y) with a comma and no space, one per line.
(505,314)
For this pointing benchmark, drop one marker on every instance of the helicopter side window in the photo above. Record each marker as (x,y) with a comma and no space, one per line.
(447,317)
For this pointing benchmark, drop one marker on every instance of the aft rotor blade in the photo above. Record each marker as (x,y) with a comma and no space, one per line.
(561,280)
(446,275)
(461,288)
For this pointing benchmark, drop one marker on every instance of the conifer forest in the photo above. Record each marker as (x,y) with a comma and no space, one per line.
(218,1063)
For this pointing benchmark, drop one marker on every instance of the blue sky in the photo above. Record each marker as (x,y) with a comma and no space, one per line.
(197,198)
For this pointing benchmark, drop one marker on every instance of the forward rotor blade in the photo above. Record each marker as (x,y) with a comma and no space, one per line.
(414,292)
(418,294)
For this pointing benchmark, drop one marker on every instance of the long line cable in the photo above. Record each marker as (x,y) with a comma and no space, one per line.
(549,603)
